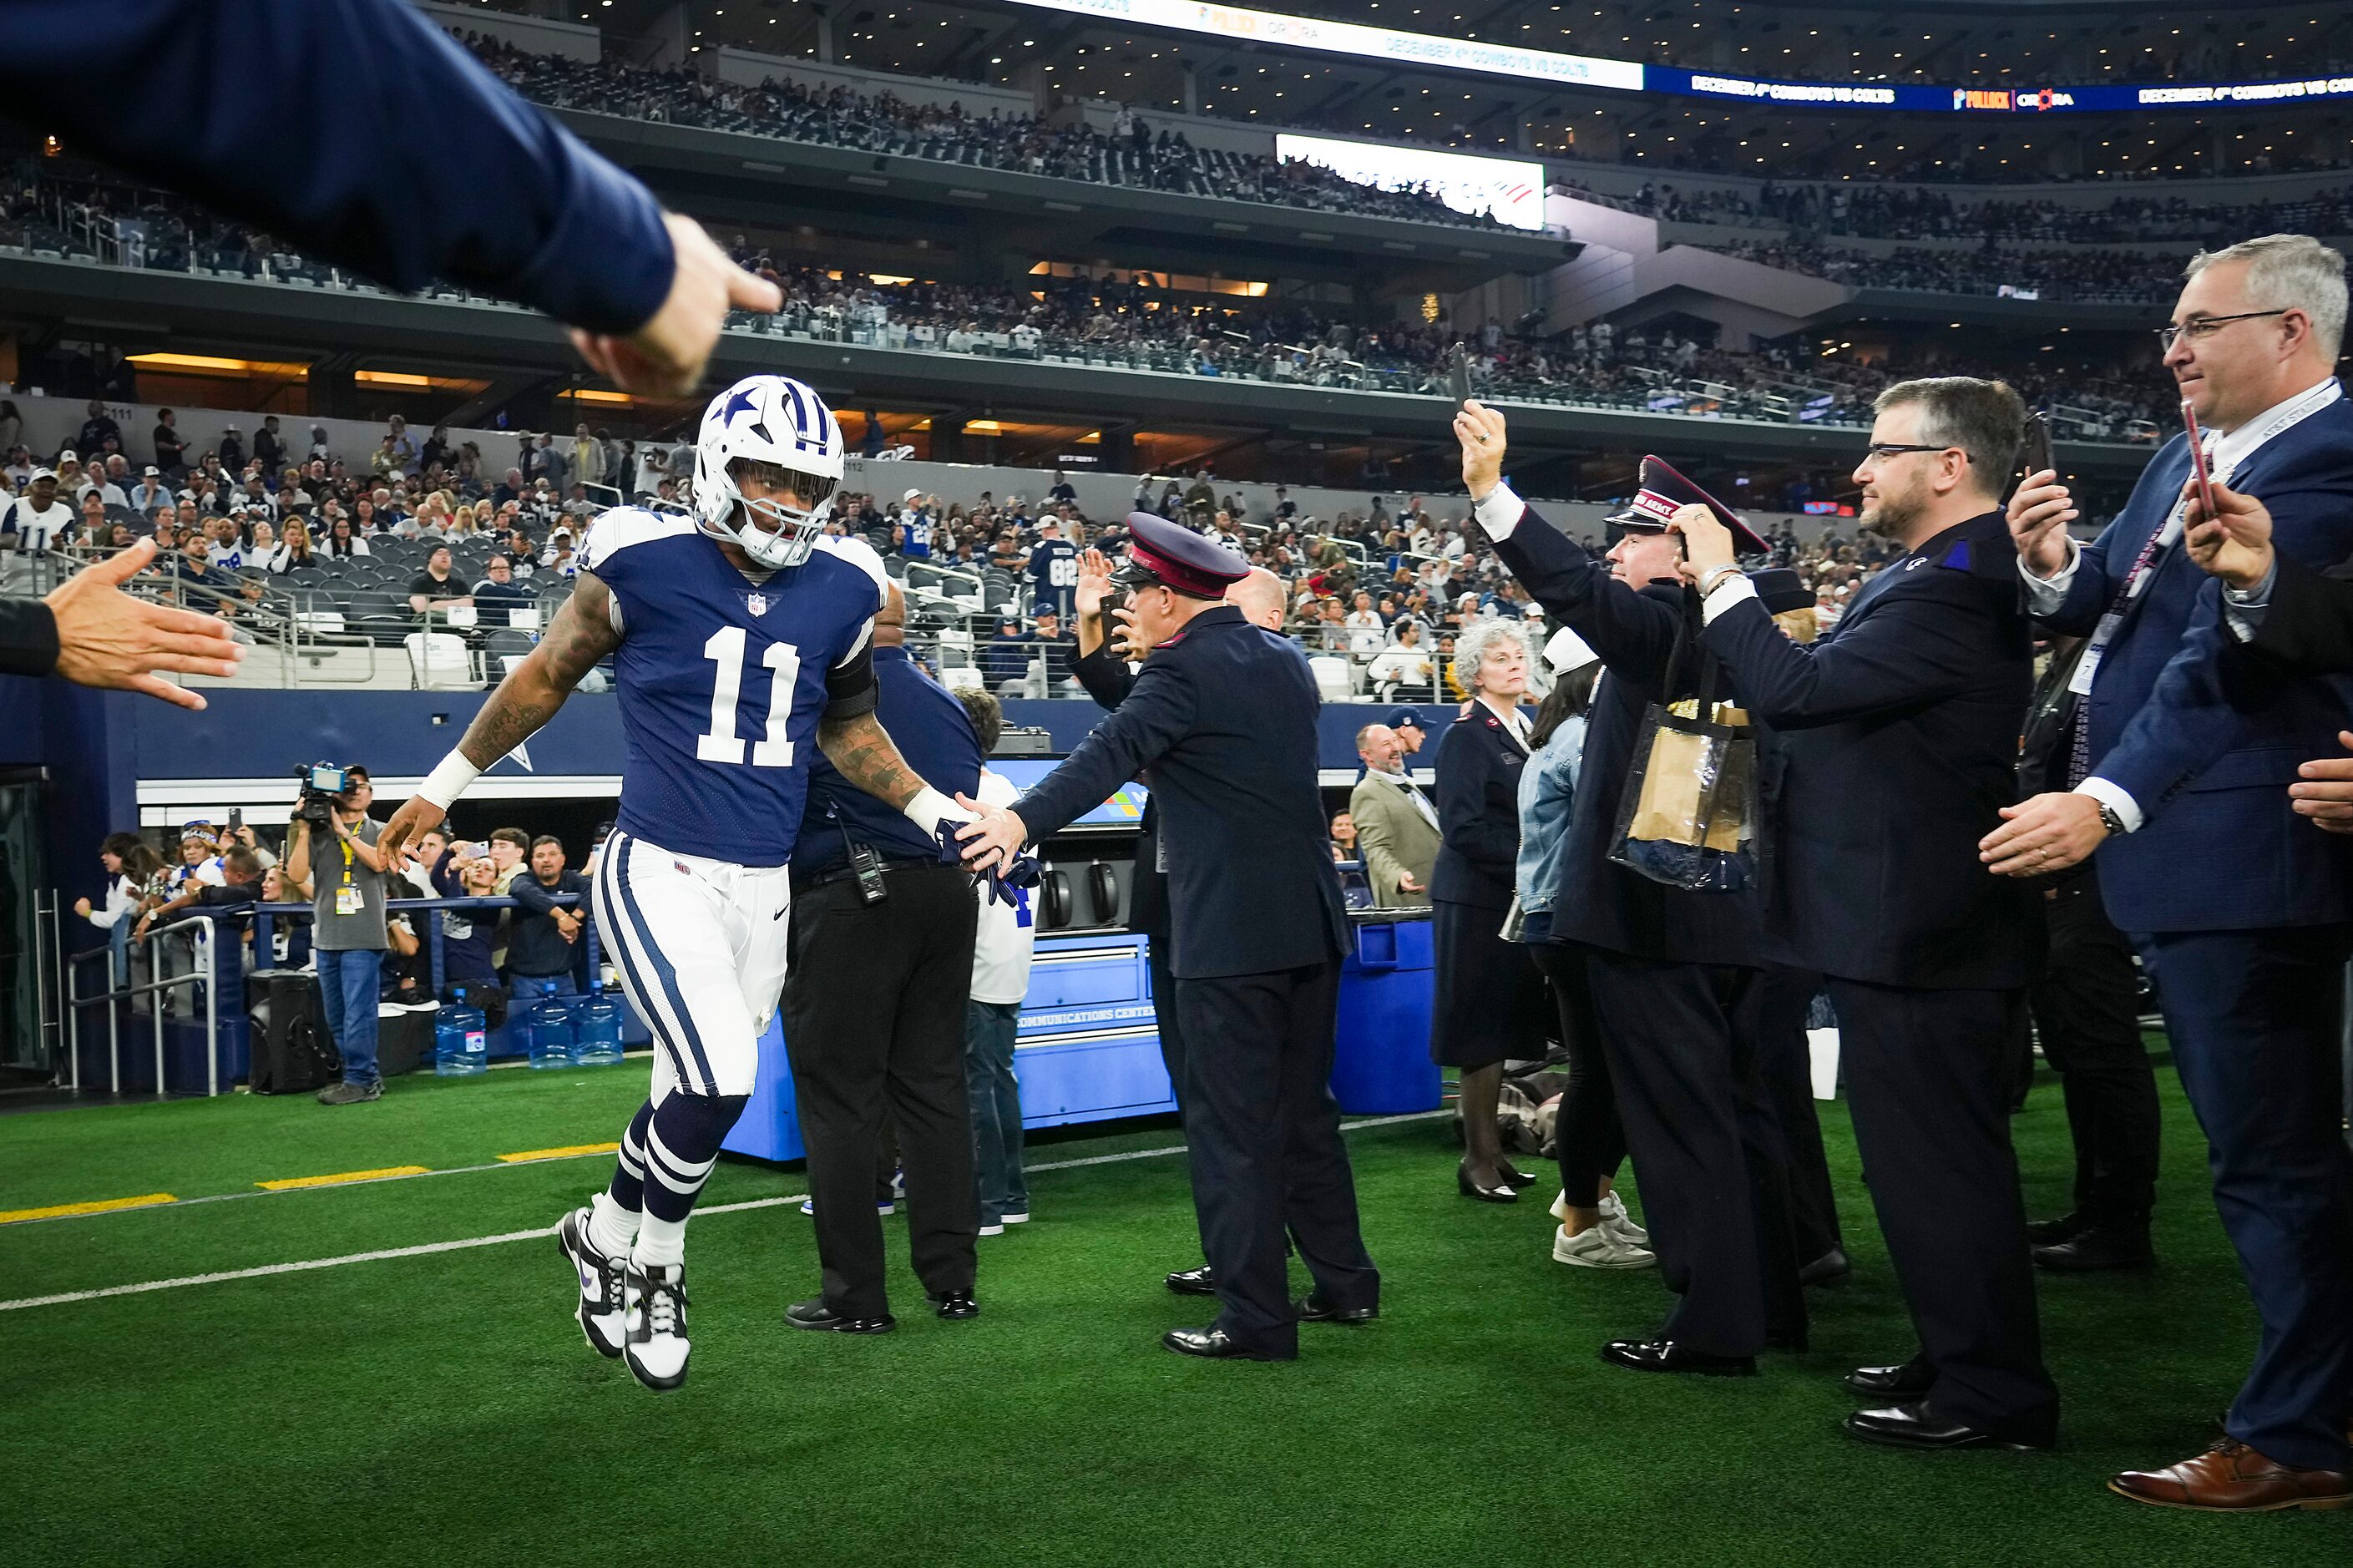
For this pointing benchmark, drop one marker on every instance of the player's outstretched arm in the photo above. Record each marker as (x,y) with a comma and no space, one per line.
(868,758)
(581,635)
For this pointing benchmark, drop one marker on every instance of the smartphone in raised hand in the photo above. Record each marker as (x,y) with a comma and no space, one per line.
(2037,453)
(2198,472)
(1458,375)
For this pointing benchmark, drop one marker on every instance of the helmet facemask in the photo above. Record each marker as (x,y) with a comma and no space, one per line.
(795,531)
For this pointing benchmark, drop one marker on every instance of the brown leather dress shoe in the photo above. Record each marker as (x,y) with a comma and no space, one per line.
(2231,1478)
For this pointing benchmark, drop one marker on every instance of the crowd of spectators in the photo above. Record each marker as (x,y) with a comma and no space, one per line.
(2083,277)
(1909,212)
(1130,154)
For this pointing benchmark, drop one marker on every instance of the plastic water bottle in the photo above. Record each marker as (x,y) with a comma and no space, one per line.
(551,1033)
(596,1031)
(460,1042)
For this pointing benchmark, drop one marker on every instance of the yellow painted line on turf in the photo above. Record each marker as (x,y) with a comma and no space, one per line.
(569,1152)
(290,1184)
(105,1205)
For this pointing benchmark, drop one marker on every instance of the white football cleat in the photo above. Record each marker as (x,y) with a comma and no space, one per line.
(601,1288)
(656,1345)
(1598,1247)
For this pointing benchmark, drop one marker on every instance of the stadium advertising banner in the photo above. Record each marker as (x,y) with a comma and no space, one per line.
(1513,193)
(1239,25)
(2109,99)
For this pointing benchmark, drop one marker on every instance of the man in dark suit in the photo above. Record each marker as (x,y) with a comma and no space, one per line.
(1102,668)
(1899,737)
(1671,972)
(1223,712)
(2241,912)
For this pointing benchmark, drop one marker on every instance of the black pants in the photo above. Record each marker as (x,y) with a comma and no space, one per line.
(1927,1073)
(1707,1148)
(874,1016)
(1587,1138)
(1785,1061)
(2088,1014)
(1264,1133)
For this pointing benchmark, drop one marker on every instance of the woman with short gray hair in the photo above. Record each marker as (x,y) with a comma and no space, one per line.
(1489,1004)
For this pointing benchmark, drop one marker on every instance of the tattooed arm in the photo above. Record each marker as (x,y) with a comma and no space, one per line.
(868,758)
(581,635)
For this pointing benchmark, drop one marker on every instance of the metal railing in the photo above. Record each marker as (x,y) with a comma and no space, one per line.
(208,927)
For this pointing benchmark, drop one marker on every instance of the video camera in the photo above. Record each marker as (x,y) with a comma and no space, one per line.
(321,786)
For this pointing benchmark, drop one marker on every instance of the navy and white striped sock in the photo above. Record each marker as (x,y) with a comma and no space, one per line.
(613,1218)
(681,1145)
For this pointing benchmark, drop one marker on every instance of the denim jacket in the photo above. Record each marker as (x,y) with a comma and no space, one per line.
(1546,786)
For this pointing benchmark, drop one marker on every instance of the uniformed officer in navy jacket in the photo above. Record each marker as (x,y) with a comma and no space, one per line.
(1103,668)
(1676,977)
(1899,740)
(1224,713)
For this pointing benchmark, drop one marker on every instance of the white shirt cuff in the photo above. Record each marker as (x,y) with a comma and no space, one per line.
(1499,512)
(2114,796)
(1728,593)
(2045,594)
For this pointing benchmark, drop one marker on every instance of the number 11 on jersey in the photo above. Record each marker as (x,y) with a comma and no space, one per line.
(722,744)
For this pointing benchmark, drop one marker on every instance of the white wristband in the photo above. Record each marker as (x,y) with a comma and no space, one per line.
(448,779)
(930,806)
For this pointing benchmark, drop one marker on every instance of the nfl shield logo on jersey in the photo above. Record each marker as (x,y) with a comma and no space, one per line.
(757,604)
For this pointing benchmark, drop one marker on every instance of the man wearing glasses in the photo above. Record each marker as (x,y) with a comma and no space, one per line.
(2242,909)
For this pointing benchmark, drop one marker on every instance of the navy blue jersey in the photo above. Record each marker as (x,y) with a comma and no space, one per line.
(1054,575)
(722,681)
(916,544)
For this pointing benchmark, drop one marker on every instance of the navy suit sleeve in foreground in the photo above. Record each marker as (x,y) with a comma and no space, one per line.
(1632,634)
(2309,626)
(357,131)
(1157,713)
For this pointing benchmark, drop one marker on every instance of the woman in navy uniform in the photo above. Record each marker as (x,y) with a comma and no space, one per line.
(1224,713)
(1489,1000)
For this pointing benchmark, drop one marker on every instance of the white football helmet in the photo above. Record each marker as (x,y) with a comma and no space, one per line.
(767,420)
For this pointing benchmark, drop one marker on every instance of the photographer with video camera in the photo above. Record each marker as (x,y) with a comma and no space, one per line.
(346,889)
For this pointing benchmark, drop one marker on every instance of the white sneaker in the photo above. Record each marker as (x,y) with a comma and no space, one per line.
(1614,1215)
(656,1345)
(1598,1247)
(1014,1216)
(992,1227)
(601,1288)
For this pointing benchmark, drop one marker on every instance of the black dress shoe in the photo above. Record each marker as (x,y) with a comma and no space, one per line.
(1216,1345)
(955,1305)
(1201,1282)
(2099,1249)
(2050,1232)
(1513,1178)
(817,1316)
(1912,1380)
(1913,1426)
(1666,1355)
(1311,1311)
(1471,1189)
(1829,1271)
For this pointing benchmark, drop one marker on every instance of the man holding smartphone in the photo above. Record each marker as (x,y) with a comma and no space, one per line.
(343,875)
(2241,910)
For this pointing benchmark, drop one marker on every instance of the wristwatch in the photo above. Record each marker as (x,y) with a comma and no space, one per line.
(1714,579)
(2109,819)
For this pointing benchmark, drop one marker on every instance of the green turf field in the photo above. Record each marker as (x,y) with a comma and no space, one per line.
(441,1409)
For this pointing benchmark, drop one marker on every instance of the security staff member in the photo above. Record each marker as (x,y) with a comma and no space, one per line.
(1672,972)
(1899,740)
(875,1010)
(1223,713)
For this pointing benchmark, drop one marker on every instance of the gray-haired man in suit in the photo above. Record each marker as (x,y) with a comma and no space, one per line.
(1397,827)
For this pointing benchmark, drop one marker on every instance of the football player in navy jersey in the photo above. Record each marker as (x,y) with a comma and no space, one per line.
(740,633)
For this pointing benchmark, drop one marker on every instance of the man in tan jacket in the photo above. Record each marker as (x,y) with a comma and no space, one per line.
(1397,825)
